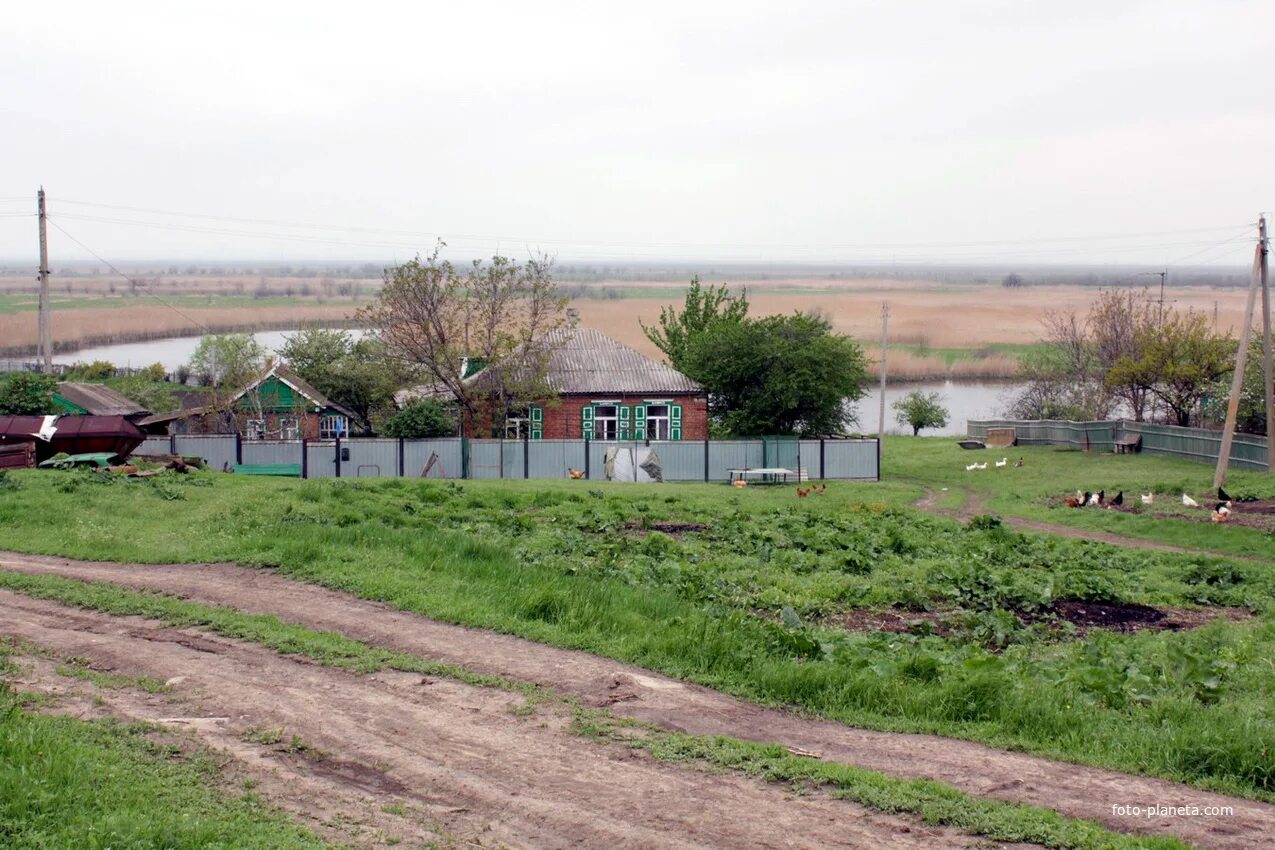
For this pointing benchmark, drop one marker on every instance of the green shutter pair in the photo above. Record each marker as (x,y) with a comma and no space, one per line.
(623,415)
(639,421)
(675,421)
(536,415)
(586,422)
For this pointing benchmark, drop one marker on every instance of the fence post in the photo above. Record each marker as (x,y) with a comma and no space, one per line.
(305,459)
(338,456)
(587,453)
(238,449)
(706,460)
(464,457)
(526,457)
(172,444)
(823,473)
(878,459)
(401,471)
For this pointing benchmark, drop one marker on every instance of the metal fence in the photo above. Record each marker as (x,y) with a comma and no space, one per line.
(1248,451)
(375,457)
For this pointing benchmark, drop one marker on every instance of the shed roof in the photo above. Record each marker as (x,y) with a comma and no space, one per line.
(283,373)
(99,400)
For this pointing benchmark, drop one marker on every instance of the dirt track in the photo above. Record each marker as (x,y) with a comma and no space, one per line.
(463,767)
(1073,790)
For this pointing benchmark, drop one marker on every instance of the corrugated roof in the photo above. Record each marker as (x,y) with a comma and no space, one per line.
(585,360)
(298,383)
(99,400)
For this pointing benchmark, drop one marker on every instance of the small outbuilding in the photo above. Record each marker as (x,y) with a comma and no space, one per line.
(76,399)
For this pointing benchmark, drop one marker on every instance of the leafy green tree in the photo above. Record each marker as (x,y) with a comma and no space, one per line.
(420,420)
(354,373)
(920,410)
(228,361)
(26,394)
(703,308)
(1181,359)
(778,375)
(155,396)
(1252,412)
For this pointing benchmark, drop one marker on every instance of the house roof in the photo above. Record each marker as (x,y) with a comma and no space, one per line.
(99,400)
(585,361)
(283,373)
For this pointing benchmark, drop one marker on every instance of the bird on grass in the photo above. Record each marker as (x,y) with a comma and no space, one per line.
(821,489)
(801,494)
(982,465)
(1018,464)
(1002,462)
(1148,498)
(1095,498)
(1117,501)
(1222,512)
(970,467)
(1223,496)
(1189,502)
(576,474)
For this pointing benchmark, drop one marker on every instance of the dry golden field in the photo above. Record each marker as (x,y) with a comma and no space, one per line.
(923,315)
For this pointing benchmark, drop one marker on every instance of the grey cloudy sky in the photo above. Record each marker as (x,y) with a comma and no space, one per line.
(761,131)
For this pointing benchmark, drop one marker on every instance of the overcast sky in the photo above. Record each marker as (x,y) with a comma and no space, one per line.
(606,132)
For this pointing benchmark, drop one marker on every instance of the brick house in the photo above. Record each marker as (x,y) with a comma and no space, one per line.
(605,390)
(279,405)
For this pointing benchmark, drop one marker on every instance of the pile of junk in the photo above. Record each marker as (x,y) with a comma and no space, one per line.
(67,441)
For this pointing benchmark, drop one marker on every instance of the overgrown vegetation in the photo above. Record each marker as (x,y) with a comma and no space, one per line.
(760,600)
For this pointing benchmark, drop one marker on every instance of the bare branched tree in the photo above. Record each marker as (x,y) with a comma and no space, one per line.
(1118,321)
(483,337)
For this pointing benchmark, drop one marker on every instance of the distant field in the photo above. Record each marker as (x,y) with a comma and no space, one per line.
(936,330)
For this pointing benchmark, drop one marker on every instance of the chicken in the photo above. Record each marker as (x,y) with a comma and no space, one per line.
(1223,496)
(1189,502)
(821,489)
(1148,498)
(1222,512)
(1117,501)
(1073,502)
(1094,498)
(801,494)
(576,474)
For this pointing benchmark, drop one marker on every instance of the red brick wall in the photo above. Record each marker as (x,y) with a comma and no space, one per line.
(563,421)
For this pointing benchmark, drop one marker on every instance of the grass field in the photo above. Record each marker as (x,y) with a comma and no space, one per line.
(850,605)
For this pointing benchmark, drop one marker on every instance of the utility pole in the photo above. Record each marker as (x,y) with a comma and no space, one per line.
(45,329)
(885,338)
(1162,275)
(1268,375)
(1241,359)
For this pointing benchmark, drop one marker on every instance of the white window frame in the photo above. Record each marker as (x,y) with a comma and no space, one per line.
(601,420)
(289,428)
(517,427)
(658,425)
(326,429)
(255,429)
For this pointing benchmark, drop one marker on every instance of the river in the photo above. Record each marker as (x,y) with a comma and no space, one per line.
(964,399)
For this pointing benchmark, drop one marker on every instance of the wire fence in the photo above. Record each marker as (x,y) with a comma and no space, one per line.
(1248,451)
(464,458)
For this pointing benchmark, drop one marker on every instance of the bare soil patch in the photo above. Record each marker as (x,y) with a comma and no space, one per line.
(673,529)
(453,758)
(1073,790)
(1132,617)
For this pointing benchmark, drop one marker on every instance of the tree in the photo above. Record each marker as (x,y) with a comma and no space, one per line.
(701,310)
(420,420)
(1118,321)
(1013,280)
(436,321)
(1252,411)
(354,373)
(920,410)
(778,375)
(228,361)
(26,394)
(1181,359)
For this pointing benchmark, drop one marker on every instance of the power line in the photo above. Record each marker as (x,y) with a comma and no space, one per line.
(130,280)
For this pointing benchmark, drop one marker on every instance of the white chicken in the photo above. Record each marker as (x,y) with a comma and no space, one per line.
(1189,502)
(1148,498)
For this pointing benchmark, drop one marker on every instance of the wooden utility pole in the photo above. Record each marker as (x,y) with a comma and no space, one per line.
(1268,375)
(885,338)
(45,329)
(1241,359)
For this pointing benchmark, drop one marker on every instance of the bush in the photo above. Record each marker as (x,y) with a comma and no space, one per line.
(421,419)
(98,370)
(26,394)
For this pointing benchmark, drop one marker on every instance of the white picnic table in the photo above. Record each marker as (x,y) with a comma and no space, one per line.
(762,473)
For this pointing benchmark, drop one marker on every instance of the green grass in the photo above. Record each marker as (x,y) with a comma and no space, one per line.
(934,802)
(912,464)
(100,785)
(750,605)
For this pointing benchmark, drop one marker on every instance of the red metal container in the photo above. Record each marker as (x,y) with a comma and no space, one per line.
(73,435)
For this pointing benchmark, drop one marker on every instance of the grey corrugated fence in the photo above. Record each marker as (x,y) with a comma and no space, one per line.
(704,460)
(1248,451)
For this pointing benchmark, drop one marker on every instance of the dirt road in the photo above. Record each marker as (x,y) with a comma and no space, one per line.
(1073,790)
(392,756)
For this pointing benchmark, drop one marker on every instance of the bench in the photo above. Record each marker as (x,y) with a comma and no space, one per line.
(288,470)
(1128,444)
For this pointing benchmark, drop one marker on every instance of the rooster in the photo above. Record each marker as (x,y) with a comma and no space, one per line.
(1074,502)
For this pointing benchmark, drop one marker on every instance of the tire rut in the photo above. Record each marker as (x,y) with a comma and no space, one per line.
(455,752)
(1073,790)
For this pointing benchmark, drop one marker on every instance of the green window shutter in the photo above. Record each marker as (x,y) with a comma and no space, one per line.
(586,422)
(537,417)
(675,421)
(639,421)
(623,415)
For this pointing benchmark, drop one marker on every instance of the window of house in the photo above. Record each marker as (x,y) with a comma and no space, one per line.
(517,426)
(255,429)
(333,426)
(606,422)
(657,422)
(289,428)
